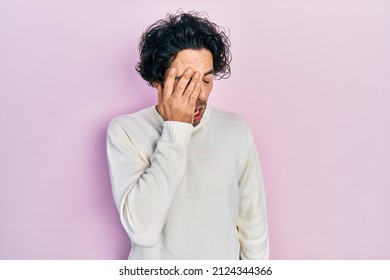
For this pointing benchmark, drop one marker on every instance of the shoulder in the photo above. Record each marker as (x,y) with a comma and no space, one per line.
(228,120)
(134,120)
(140,129)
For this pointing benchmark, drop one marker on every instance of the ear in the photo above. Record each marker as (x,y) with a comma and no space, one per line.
(156,84)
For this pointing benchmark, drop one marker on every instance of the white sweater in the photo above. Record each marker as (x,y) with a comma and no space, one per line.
(187,192)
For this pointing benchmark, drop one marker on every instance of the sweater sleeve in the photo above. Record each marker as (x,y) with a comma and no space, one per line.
(252,222)
(144,190)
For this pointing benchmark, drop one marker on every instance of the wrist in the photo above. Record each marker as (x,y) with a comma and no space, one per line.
(176,132)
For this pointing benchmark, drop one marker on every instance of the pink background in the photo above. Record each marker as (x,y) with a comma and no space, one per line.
(311,77)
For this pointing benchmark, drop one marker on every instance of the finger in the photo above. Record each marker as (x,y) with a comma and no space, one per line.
(169,83)
(194,96)
(183,82)
(191,86)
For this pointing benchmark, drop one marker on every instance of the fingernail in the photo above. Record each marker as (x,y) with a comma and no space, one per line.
(190,71)
(173,71)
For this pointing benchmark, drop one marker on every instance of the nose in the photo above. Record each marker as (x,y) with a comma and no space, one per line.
(202,93)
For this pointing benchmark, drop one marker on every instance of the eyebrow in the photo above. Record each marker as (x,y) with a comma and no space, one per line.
(205,74)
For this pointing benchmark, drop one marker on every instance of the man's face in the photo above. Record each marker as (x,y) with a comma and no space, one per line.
(201,61)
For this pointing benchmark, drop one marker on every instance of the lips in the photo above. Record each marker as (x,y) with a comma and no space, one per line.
(198,113)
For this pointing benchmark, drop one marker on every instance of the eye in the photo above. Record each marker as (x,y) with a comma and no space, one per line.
(206,82)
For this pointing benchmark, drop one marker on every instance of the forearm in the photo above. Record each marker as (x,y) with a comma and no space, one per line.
(253,235)
(145,192)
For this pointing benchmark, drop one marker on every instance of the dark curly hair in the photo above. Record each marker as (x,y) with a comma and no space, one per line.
(161,42)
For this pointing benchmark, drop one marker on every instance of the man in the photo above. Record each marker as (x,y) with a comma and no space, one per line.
(185,177)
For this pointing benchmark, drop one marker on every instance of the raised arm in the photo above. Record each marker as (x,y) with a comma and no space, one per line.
(144,189)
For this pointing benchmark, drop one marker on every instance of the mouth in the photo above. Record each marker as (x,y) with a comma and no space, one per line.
(198,114)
